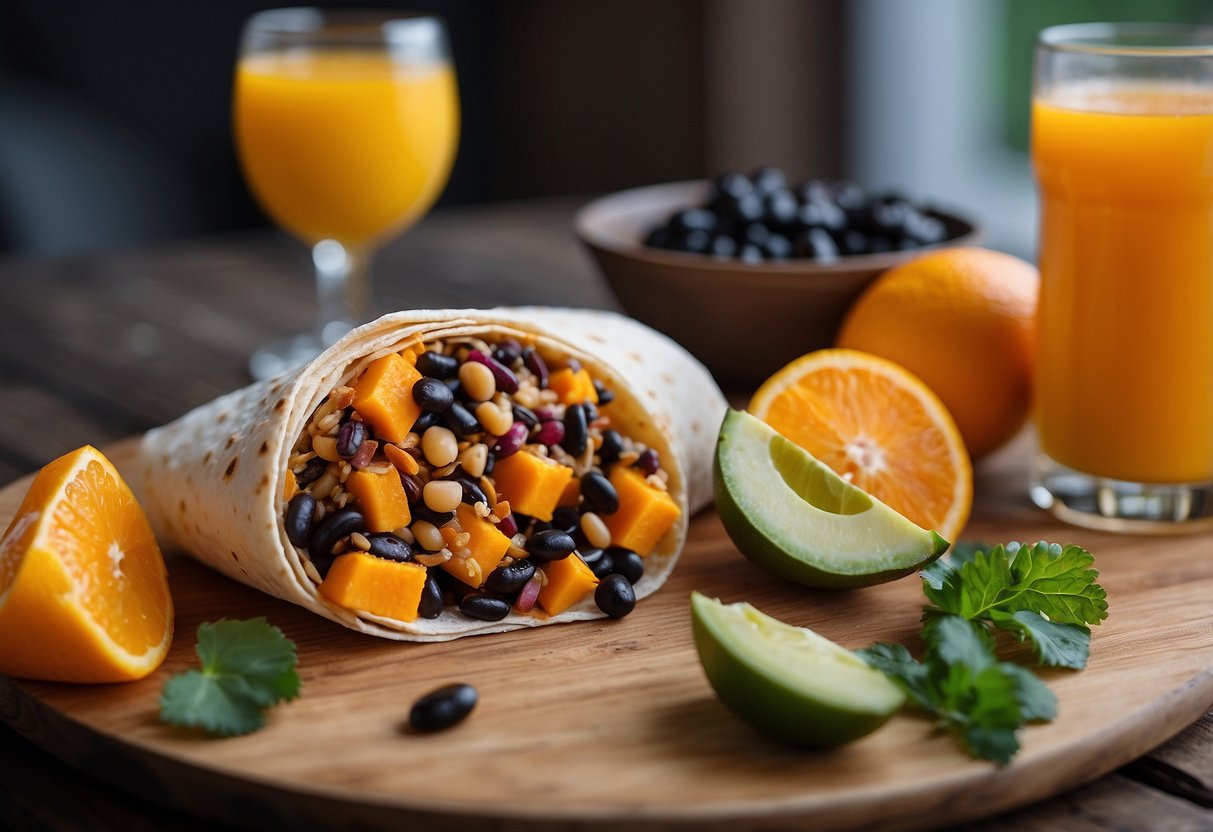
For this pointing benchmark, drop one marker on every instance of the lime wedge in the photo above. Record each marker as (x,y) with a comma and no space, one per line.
(789,682)
(796,518)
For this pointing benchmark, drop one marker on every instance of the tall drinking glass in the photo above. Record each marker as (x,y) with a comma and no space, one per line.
(346,124)
(1122,145)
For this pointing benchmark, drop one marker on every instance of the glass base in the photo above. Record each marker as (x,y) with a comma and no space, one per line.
(279,356)
(1118,506)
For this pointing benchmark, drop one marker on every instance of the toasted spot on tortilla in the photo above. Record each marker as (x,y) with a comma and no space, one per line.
(231,468)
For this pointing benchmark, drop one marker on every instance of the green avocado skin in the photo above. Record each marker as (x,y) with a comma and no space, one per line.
(756,544)
(773,708)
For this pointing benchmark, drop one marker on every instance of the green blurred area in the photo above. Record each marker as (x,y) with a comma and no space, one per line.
(1022,19)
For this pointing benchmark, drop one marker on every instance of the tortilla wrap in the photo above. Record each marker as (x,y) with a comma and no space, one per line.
(212,482)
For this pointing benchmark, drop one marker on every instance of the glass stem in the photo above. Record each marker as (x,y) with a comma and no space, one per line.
(343,289)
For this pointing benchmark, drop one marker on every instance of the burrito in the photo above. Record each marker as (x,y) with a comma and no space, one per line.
(437,474)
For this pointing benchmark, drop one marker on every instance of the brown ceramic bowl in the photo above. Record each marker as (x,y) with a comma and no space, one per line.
(742,320)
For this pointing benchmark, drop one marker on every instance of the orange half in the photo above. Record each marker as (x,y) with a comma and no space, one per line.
(879,427)
(84,594)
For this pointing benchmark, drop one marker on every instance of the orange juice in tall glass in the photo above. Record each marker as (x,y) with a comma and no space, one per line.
(346,123)
(1122,146)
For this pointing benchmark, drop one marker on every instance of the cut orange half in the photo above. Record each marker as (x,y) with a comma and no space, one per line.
(84,593)
(878,427)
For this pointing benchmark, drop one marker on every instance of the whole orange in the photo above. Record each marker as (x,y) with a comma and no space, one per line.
(962,320)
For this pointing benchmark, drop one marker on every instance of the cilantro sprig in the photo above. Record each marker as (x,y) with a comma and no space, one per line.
(1042,593)
(247,667)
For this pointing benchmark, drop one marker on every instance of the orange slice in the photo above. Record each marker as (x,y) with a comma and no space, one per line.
(84,593)
(877,426)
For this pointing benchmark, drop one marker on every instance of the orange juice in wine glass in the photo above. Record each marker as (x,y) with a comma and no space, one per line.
(347,125)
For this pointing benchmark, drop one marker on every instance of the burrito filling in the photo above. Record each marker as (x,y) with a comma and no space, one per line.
(473,476)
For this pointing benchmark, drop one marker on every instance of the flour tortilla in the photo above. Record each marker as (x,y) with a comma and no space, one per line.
(212,481)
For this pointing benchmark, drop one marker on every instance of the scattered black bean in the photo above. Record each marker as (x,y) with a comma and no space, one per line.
(627,563)
(649,462)
(575,430)
(507,352)
(525,415)
(611,448)
(550,544)
(507,580)
(442,708)
(472,492)
(615,596)
(490,463)
(312,471)
(432,395)
(389,547)
(461,421)
(605,396)
(590,554)
(350,438)
(421,511)
(591,411)
(437,365)
(454,385)
(412,487)
(430,605)
(331,529)
(299,514)
(323,563)
(484,607)
(599,493)
(535,363)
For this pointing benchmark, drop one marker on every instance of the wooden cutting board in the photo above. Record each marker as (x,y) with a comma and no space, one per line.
(602,725)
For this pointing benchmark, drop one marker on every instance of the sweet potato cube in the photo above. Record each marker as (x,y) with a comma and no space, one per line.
(361,581)
(532,484)
(573,387)
(569,580)
(645,513)
(487,545)
(383,397)
(380,498)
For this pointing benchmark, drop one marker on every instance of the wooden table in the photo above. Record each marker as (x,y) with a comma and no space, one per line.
(104,346)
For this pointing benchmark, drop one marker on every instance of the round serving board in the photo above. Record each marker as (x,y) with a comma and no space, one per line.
(607,724)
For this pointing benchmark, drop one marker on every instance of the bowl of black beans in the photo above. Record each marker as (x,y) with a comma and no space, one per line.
(751,271)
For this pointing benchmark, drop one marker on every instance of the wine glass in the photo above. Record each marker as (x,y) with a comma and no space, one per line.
(346,124)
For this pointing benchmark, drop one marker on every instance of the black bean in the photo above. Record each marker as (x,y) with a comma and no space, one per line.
(312,471)
(331,529)
(437,365)
(425,421)
(323,563)
(349,438)
(599,493)
(550,544)
(602,565)
(591,412)
(454,385)
(626,563)
(535,363)
(421,511)
(605,396)
(442,708)
(472,492)
(612,446)
(461,421)
(575,431)
(508,352)
(484,607)
(615,596)
(412,487)
(507,580)
(389,547)
(525,415)
(489,463)
(430,605)
(566,518)
(299,514)
(432,395)
(649,462)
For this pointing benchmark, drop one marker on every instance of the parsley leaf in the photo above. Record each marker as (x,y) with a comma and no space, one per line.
(979,699)
(247,666)
(1043,593)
